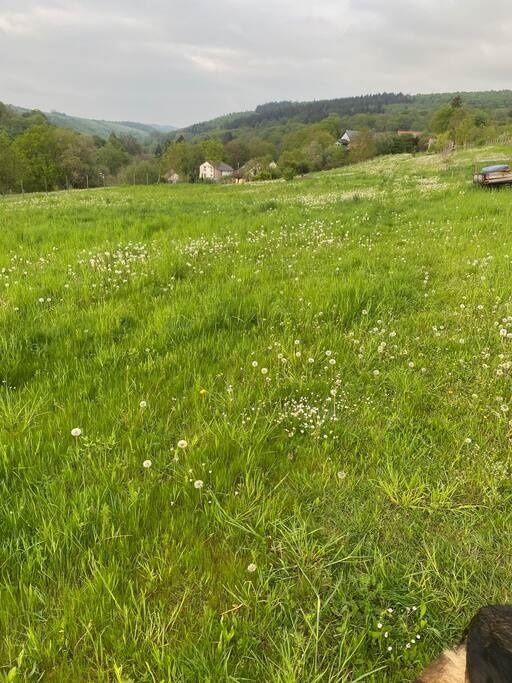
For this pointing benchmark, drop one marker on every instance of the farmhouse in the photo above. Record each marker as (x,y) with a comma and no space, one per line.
(348,137)
(171,176)
(215,171)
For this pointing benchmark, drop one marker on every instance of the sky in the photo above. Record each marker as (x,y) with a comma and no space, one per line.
(183,61)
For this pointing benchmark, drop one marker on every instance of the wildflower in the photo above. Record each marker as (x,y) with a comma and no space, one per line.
(203,392)
(147,464)
(332,361)
(264,371)
(254,364)
(182,443)
(143,404)
(376,373)
(251,568)
(198,484)
(328,353)
(76,431)
(379,625)
(390,648)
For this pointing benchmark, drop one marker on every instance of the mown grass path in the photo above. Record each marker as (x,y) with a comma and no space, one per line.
(294,461)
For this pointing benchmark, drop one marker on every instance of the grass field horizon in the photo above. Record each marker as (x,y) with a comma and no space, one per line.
(256,432)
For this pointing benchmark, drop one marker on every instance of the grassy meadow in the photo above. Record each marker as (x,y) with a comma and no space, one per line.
(294,409)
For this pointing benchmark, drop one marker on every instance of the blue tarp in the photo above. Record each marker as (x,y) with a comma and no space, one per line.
(495,169)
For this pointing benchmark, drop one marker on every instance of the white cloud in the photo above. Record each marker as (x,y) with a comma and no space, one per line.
(176,61)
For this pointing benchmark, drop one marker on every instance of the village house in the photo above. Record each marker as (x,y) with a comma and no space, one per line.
(215,171)
(348,137)
(171,177)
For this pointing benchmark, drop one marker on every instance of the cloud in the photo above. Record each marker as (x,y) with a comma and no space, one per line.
(178,62)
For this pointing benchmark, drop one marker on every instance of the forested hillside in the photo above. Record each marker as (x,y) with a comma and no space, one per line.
(381,112)
(36,155)
(302,136)
(102,128)
(277,139)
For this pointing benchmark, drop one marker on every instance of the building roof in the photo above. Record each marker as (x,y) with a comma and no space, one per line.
(219,165)
(223,167)
(350,133)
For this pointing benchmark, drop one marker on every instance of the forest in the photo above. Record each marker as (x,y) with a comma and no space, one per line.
(277,139)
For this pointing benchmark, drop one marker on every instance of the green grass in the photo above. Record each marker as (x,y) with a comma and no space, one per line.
(381,481)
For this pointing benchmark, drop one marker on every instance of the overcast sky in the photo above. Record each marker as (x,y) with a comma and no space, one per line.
(184,61)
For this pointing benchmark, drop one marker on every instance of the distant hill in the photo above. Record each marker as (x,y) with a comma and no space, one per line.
(103,128)
(380,112)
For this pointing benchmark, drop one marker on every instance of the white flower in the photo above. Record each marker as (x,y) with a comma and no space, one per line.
(198,484)
(328,353)
(143,404)
(379,625)
(147,464)
(182,443)
(376,373)
(255,364)
(76,431)
(251,568)
(390,648)
(264,371)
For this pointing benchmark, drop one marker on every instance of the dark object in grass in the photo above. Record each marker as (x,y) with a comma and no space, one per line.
(493,176)
(485,655)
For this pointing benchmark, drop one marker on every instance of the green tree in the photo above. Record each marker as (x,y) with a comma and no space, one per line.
(7,163)
(363,148)
(113,157)
(37,150)
(213,150)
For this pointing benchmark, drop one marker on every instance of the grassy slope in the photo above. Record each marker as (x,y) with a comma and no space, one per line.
(392,492)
